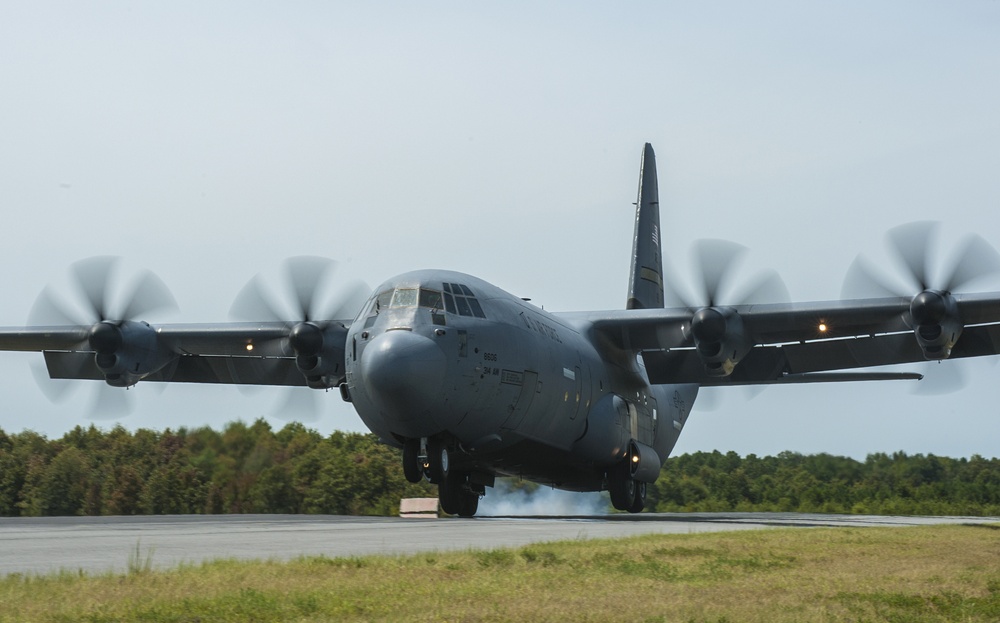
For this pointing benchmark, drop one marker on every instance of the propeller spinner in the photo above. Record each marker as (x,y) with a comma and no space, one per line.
(717,329)
(315,319)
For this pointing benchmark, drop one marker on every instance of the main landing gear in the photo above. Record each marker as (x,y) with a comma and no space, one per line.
(627,493)
(428,458)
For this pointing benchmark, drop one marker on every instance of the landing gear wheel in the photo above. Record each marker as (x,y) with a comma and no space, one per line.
(437,462)
(622,487)
(450,493)
(640,498)
(470,504)
(412,467)
(456,496)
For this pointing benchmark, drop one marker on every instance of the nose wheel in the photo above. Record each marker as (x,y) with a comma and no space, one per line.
(425,457)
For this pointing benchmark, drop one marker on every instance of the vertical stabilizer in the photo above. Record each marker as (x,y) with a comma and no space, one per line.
(645,284)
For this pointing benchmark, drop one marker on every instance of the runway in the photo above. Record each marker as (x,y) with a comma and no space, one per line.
(100,544)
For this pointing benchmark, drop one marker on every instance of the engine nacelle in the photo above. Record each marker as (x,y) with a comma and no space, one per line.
(935,322)
(127,352)
(319,353)
(644,462)
(720,339)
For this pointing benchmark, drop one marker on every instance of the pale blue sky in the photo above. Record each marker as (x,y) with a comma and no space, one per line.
(208,142)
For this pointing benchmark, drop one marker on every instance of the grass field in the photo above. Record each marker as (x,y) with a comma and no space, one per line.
(939,573)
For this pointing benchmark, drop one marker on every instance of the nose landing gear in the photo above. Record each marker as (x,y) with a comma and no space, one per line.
(425,457)
(431,459)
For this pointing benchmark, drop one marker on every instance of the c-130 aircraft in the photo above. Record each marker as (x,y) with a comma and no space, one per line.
(472,382)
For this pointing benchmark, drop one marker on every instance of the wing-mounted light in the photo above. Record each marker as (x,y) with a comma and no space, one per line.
(720,339)
(319,352)
(718,331)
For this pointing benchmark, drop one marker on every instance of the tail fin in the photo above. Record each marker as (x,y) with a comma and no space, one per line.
(645,284)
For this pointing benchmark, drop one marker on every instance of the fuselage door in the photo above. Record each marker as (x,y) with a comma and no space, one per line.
(529,384)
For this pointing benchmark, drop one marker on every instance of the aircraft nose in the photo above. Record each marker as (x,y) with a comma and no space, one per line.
(403,372)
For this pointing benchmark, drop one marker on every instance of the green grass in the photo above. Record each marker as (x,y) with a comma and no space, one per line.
(939,573)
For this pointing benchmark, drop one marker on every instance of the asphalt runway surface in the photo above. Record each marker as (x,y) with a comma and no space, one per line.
(101,544)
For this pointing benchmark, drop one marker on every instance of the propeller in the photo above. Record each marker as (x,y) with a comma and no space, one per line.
(715,264)
(929,284)
(100,308)
(912,245)
(717,329)
(304,295)
(308,302)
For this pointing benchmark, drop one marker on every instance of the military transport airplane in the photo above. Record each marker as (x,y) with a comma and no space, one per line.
(472,382)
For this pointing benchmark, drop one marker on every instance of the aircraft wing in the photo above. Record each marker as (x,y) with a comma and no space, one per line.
(244,353)
(794,343)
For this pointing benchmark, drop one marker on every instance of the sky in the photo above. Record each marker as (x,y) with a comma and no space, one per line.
(207,142)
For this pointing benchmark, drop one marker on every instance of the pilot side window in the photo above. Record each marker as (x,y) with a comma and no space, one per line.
(459,298)
(381,302)
(431,299)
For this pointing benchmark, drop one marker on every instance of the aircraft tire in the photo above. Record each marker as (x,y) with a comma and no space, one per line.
(639,502)
(622,487)
(450,493)
(438,462)
(470,504)
(412,468)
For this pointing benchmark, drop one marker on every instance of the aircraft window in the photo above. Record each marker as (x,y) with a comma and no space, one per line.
(404,297)
(430,298)
(382,300)
(460,299)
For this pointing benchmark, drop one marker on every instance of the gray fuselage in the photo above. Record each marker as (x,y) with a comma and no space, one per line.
(520,391)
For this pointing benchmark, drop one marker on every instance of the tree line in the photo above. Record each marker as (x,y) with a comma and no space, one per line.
(243,469)
(255,469)
(882,484)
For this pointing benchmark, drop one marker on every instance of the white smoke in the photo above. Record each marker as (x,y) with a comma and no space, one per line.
(507,500)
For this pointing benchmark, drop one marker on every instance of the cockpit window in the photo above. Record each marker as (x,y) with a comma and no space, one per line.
(455,299)
(407,297)
(463,306)
(404,297)
(381,302)
(459,299)
(430,298)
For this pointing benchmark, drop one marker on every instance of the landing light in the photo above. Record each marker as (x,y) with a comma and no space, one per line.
(249,347)
(635,458)
(822,327)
